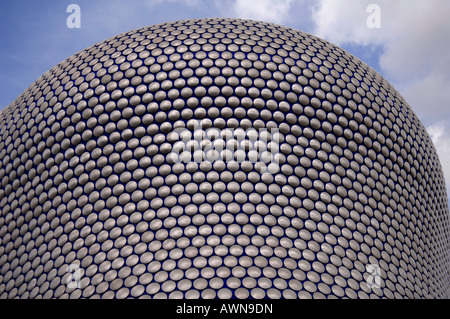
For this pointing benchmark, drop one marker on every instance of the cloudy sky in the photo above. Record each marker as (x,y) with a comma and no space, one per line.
(411,49)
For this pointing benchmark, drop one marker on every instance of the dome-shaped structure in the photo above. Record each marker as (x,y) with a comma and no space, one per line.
(218,158)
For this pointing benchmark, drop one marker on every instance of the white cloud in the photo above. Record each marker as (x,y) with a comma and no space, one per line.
(263,10)
(441,140)
(415,57)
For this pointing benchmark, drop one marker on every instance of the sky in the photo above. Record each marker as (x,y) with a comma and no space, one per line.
(411,47)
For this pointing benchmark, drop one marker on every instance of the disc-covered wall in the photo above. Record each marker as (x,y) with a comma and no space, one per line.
(94,204)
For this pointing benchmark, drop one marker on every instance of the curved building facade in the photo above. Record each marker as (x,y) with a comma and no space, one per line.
(219,158)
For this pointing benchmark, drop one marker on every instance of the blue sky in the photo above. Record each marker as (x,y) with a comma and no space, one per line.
(411,49)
